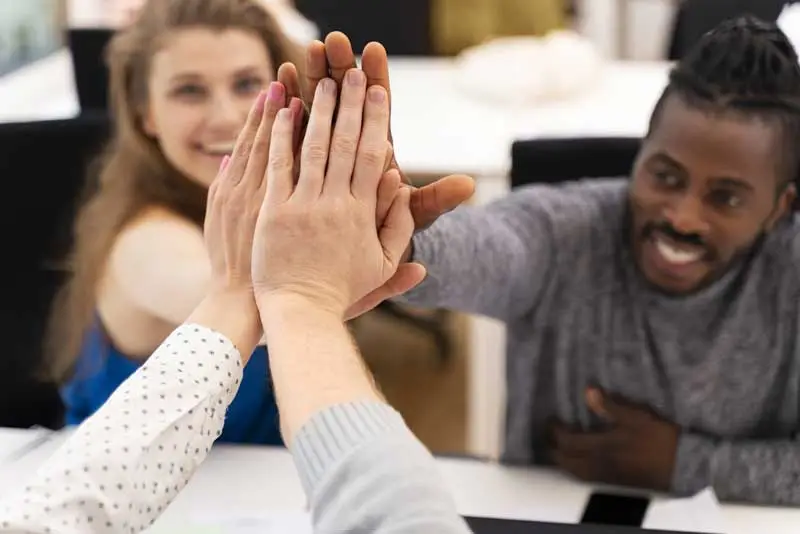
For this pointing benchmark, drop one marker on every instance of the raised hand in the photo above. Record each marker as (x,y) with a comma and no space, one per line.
(234,198)
(332,59)
(317,237)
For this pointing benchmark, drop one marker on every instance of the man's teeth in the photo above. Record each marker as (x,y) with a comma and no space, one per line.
(675,255)
(218,148)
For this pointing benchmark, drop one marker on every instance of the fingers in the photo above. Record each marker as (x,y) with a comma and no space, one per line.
(372,147)
(594,401)
(244,143)
(281,160)
(387,190)
(212,190)
(346,134)
(314,153)
(299,115)
(287,75)
(255,172)
(375,64)
(430,202)
(339,55)
(316,69)
(397,229)
(576,442)
(407,277)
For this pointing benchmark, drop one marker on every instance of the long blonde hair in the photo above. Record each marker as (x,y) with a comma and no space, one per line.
(133,172)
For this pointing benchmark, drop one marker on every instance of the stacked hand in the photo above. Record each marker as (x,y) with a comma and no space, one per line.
(333,59)
(333,234)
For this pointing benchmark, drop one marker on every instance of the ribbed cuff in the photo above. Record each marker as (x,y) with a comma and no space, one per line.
(330,436)
(694,464)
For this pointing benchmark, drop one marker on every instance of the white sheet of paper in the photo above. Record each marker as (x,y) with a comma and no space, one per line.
(16,443)
(701,513)
(267,523)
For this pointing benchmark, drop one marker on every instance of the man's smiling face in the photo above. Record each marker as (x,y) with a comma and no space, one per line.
(705,186)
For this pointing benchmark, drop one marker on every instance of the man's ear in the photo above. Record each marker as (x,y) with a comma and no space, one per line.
(783,206)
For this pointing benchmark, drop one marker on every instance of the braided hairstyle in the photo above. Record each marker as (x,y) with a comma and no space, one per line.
(744,66)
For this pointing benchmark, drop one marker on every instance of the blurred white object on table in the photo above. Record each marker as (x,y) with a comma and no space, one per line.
(524,71)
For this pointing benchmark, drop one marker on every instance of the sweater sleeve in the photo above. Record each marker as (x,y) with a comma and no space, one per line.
(364,471)
(762,472)
(491,260)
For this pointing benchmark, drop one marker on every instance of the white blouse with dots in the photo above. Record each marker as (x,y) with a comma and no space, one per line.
(123,466)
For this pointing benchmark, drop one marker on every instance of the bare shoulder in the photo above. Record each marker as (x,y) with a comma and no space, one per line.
(159,265)
(157,229)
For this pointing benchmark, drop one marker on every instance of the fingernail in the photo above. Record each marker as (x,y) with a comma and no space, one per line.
(328,86)
(285,114)
(355,77)
(276,92)
(377,94)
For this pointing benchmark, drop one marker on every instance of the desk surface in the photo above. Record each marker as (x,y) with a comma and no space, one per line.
(438,129)
(249,481)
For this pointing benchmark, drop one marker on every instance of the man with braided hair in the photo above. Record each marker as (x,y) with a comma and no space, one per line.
(654,322)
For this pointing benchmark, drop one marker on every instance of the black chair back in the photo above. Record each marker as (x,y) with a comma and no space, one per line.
(43,166)
(563,160)
(87,46)
(402,26)
(696,17)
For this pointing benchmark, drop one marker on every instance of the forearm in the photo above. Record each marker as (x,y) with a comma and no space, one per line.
(126,463)
(234,315)
(364,471)
(763,472)
(488,261)
(312,347)
(346,442)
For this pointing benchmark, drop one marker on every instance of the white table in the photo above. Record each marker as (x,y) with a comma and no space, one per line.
(250,481)
(438,130)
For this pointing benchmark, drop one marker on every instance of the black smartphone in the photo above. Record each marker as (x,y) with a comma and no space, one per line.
(615,509)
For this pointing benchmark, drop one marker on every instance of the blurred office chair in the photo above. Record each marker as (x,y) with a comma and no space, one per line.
(43,165)
(561,160)
(402,26)
(696,17)
(87,47)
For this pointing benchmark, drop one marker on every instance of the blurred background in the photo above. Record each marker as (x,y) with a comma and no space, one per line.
(509,91)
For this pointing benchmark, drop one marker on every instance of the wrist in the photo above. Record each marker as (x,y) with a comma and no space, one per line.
(232,313)
(280,303)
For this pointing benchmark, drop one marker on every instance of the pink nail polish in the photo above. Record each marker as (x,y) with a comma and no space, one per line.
(224,163)
(276,92)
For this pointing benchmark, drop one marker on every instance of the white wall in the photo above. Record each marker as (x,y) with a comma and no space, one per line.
(29,30)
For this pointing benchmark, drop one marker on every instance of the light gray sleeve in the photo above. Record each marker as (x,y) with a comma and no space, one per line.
(490,260)
(761,472)
(363,471)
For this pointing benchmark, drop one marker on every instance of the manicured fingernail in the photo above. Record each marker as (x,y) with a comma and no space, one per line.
(355,77)
(225,159)
(276,92)
(328,86)
(377,94)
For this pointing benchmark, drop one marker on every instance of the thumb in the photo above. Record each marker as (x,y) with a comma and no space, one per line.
(407,277)
(443,195)
(398,227)
(609,408)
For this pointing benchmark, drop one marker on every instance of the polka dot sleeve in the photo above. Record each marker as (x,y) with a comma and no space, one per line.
(125,464)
